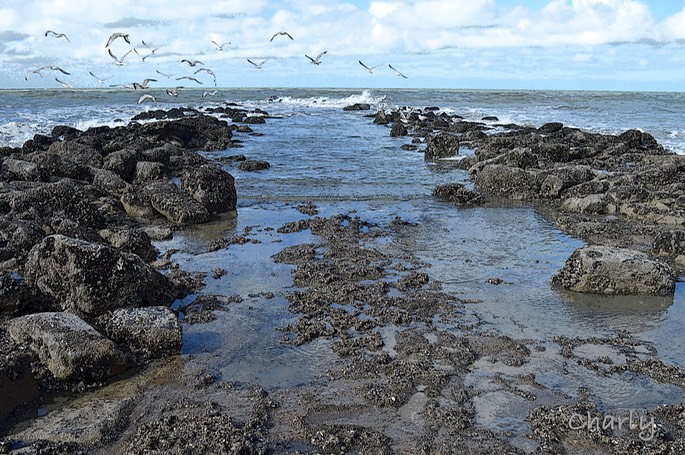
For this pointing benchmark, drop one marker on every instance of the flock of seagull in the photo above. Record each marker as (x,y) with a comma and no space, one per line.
(119,61)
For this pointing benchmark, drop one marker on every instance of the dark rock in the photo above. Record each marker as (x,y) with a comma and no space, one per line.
(442,145)
(551,127)
(39,143)
(381,118)
(398,129)
(606,270)
(562,178)
(409,147)
(110,182)
(490,118)
(17,237)
(357,107)
(56,167)
(148,171)
(254,119)
(68,346)
(175,204)
(91,279)
(211,186)
(14,294)
(254,165)
(137,204)
(512,182)
(122,162)
(77,152)
(244,129)
(458,193)
(199,132)
(669,243)
(150,333)
(24,170)
(130,240)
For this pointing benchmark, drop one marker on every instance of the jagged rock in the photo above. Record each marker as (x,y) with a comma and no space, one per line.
(110,182)
(122,162)
(442,145)
(24,170)
(175,204)
(512,182)
(137,204)
(77,152)
(211,186)
(458,193)
(150,333)
(254,165)
(91,279)
(135,241)
(148,171)
(607,270)
(68,346)
(398,129)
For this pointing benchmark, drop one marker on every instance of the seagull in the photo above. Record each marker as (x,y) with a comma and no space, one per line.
(99,79)
(192,63)
(137,86)
(209,93)
(257,65)
(143,57)
(57,35)
(54,68)
(370,70)
(220,47)
(29,72)
(397,72)
(64,83)
(146,96)
(280,33)
(117,35)
(149,46)
(163,74)
(317,60)
(173,91)
(208,71)
(190,78)
(118,61)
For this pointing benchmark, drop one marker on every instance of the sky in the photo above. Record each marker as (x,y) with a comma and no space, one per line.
(456,44)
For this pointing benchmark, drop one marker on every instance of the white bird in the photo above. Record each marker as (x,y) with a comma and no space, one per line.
(142,86)
(173,91)
(118,61)
(208,71)
(370,70)
(257,65)
(146,96)
(101,80)
(149,46)
(397,72)
(317,60)
(57,35)
(143,57)
(29,72)
(117,35)
(220,47)
(280,33)
(54,68)
(64,83)
(192,63)
(163,74)
(189,78)
(209,93)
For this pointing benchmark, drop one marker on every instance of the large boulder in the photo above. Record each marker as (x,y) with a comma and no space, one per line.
(607,270)
(77,152)
(68,346)
(91,279)
(196,132)
(175,204)
(511,182)
(150,333)
(211,186)
(442,145)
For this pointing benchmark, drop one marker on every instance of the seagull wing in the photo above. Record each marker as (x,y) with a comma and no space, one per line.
(318,57)
(367,68)
(313,61)
(250,61)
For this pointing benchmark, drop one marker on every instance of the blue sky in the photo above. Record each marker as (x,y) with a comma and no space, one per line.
(537,44)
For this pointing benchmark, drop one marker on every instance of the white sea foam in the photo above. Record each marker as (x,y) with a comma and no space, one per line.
(322,101)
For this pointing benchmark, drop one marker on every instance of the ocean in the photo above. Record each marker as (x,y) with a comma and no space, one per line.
(344,163)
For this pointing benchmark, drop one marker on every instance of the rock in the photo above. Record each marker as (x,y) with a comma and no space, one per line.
(159,233)
(562,178)
(148,171)
(398,129)
(137,204)
(357,107)
(57,167)
(77,152)
(551,127)
(669,243)
(175,204)
(110,182)
(253,165)
(244,129)
(409,147)
(590,204)
(442,145)
(381,118)
(254,119)
(211,186)
(607,270)
(150,333)
(512,182)
(24,170)
(122,162)
(14,294)
(17,237)
(134,241)
(198,132)
(458,193)
(68,346)
(91,279)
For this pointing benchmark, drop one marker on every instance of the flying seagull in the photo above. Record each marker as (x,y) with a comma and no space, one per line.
(57,35)
(280,33)
(370,70)
(146,96)
(64,83)
(208,71)
(189,78)
(142,86)
(220,47)
(317,60)
(117,35)
(397,72)
(29,72)
(54,68)
(192,63)
(209,93)
(101,80)
(173,91)
(163,74)
(118,61)
(257,65)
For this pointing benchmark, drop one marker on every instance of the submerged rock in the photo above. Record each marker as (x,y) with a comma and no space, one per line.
(254,165)
(458,193)
(607,270)
(68,346)
(91,279)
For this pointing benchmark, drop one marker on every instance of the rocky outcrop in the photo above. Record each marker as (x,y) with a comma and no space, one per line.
(606,270)
(211,186)
(91,279)
(441,145)
(68,346)
(457,193)
(253,165)
(175,204)
(150,333)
